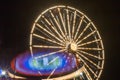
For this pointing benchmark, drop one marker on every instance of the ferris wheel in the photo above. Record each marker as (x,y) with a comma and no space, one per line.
(66,30)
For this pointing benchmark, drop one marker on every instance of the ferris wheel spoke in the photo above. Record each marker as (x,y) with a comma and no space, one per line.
(73,29)
(93,32)
(47,35)
(46,39)
(53,27)
(62,21)
(40,73)
(88,67)
(52,73)
(53,60)
(47,27)
(88,74)
(68,23)
(31,51)
(83,52)
(49,32)
(80,23)
(89,60)
(56,31)
(50,54)
(42,46)
(95,49)
(57,23)
(93,41)
(83,31)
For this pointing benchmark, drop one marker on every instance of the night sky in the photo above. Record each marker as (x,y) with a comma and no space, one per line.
(17,18)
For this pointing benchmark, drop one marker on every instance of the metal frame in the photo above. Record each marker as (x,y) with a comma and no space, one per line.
(62,26)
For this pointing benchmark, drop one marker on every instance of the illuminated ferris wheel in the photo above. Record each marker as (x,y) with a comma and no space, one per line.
(67,31)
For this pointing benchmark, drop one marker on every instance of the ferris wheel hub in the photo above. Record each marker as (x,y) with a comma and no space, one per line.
(71,47)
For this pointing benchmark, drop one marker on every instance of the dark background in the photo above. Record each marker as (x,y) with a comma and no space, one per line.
(17,17)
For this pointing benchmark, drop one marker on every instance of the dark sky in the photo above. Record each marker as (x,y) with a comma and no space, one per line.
(17,17)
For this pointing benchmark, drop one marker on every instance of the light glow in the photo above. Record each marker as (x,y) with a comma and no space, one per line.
(2,72)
